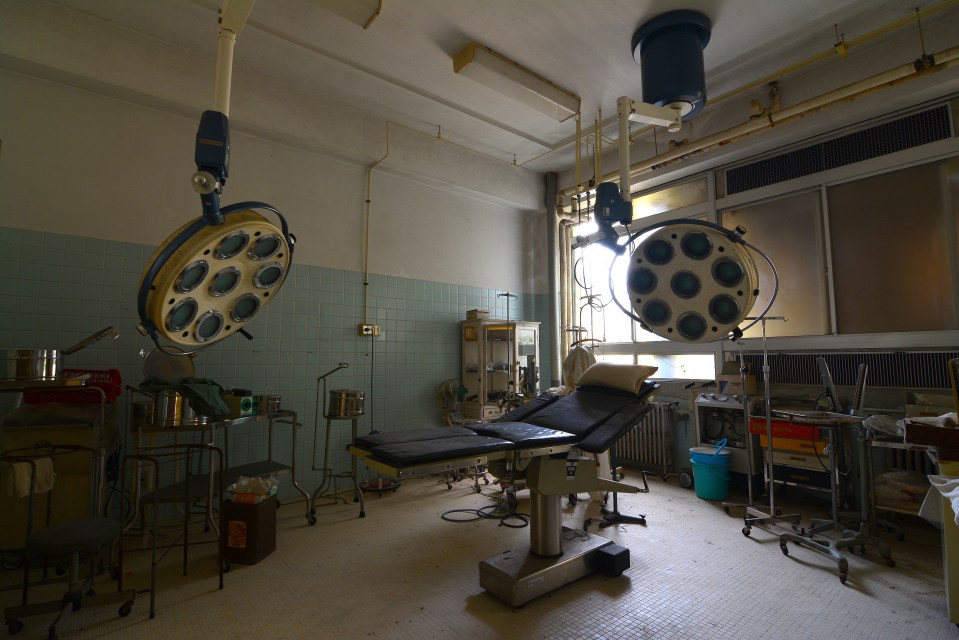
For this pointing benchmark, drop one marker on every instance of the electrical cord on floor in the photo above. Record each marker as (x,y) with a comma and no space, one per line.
(484,513)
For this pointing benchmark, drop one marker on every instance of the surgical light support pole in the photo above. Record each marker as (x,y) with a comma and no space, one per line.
(212,154)
(628,110)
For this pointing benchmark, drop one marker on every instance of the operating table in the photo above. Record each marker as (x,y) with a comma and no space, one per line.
(539,442)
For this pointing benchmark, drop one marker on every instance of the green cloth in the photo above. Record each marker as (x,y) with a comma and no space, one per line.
(205,396)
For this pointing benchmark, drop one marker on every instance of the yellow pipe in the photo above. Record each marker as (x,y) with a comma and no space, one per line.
(897,75)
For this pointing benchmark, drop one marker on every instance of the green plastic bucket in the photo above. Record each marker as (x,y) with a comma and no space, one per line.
(711,471)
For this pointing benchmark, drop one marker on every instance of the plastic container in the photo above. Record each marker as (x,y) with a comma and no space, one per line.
(108,380)
(711,471)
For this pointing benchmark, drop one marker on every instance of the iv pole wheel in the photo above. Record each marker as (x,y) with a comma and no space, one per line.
(747,531)
(311,519)
(783,547)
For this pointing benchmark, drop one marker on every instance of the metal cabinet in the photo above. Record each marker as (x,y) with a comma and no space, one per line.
(500,366)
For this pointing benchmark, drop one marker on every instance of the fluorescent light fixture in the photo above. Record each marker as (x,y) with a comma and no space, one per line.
(501,74)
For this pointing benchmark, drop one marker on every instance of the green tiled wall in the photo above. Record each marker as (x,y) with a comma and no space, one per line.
(59,289)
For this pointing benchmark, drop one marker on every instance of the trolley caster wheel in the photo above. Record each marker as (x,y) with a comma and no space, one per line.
(573,499)
(784,547)
(862,550)
(448,486)
(747,531)
(685,480)
(726,509)
(843,570)
(362,514)
(890,562)
(125,609)
(311,520)
(485,480)
(14,626)
(227,566)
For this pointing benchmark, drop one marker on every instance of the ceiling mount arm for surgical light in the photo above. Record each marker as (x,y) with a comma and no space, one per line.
(212,153)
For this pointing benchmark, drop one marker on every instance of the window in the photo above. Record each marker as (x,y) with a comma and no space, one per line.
(893,240)
(789,231)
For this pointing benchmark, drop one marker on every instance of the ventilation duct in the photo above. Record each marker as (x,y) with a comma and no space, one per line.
(889,137)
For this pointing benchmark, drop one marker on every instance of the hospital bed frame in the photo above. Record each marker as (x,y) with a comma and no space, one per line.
(541,442)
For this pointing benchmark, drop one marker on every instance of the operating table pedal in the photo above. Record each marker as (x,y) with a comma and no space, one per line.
(611,559)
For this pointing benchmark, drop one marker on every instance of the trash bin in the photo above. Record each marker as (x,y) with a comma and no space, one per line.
(711,471)
(250,530)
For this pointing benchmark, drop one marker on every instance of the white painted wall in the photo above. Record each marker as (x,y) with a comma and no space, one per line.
(98,124)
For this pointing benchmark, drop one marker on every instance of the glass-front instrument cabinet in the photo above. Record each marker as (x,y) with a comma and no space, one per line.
(500,366)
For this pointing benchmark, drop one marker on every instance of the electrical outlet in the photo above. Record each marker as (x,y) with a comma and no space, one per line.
(369,329)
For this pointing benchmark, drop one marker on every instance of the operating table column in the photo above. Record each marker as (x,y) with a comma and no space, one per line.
(545,525)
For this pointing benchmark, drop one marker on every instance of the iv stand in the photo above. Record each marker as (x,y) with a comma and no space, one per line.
(754,514)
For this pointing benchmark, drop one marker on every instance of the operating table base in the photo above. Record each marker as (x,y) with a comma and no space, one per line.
(516,577)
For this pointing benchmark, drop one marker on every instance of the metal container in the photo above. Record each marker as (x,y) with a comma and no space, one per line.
(345,403)
(31,364)
(189,415)
(268,404)
(168,409)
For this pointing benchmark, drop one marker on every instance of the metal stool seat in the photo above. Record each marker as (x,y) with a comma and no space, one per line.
(76,536)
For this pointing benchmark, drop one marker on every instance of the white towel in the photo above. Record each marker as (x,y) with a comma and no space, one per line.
(18,477)
(948,486)
(575,363)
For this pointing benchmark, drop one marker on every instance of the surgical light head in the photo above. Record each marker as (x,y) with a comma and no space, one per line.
(206,282)
(692,282)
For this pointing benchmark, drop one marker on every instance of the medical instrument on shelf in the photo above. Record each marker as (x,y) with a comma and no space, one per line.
(346,405)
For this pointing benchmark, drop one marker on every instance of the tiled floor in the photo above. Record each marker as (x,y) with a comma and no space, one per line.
(404,572)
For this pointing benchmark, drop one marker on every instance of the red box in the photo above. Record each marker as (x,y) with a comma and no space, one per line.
(108,380)
(785,429)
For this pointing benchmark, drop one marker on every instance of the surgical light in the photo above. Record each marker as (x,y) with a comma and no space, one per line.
(510,78)
(214,274)
(692,282)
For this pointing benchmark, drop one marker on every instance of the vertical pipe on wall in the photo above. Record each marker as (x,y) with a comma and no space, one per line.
(366,230)
(552,245)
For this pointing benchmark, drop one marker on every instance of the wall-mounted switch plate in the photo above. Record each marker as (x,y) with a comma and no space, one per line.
(369,329)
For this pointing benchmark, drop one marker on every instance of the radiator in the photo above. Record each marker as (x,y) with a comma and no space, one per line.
(906,460)
(649,445)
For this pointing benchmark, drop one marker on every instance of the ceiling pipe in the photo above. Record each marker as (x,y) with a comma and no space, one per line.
(887,79)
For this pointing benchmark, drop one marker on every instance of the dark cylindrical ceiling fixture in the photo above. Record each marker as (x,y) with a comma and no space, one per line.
(669,48)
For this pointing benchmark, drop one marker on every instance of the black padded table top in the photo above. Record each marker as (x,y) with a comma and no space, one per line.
(523,434)
(438,450)
(373,440)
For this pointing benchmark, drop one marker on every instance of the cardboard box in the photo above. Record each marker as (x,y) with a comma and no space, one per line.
(249,530)
(477,314)
(733,384)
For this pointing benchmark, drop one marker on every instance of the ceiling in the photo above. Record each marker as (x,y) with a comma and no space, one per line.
(399,69)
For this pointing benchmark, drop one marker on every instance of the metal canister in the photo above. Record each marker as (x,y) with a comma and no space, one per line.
(268,404)
(345,403)
(168,409)
(31,364)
